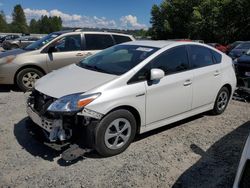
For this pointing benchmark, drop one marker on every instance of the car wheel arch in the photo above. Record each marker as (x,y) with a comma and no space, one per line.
(229,87)
(133,110)
(28,66)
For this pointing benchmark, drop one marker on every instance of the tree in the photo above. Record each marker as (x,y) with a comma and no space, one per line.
(19,24)
(46,24)
(33,26)
(221,21)
(3,23)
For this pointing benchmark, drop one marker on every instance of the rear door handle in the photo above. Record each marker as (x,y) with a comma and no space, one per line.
(187,82)
(216,73)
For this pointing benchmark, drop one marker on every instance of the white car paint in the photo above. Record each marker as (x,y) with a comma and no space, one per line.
(175,97)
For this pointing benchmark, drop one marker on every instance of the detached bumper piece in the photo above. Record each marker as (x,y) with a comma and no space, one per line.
(245,178)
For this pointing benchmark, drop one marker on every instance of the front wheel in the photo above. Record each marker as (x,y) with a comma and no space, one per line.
(26,78)
(221,101)
(115,132)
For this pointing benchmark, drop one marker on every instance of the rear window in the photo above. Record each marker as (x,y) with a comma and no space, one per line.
(98,42)
(121,39)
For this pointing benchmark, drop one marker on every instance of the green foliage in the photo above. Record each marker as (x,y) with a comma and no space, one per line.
(19,24)
(3,23)
(44,25)
(210,20)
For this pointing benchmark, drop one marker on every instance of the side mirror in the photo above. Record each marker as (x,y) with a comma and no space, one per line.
(52,49)
(156,74)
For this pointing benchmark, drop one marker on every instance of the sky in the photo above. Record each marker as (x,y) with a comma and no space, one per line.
(118,14)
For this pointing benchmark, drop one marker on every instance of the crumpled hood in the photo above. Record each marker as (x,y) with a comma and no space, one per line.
(71,79)
(12,52)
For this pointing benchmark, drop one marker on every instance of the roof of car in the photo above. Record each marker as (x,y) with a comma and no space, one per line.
(90,32)
(152,43)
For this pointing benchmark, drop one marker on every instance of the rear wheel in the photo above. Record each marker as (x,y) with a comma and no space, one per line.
(221,101)
(115,132)
(26,78)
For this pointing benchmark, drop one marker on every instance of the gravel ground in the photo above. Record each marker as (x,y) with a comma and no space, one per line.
(202,151)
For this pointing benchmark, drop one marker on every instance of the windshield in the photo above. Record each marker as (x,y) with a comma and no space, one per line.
(117,59)
(243,46)
(40,43)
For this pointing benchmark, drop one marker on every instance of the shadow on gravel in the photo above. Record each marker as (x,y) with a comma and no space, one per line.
(30,144)
(218,165)
(37,148)
(167,127)
(8,88)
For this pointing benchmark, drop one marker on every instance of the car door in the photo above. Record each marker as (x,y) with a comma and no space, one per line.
(172,95)
(66,50)
(207,75)
(96,42)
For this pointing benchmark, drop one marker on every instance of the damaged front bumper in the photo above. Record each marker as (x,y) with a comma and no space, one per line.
(58,127)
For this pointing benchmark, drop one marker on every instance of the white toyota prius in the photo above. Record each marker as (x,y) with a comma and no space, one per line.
(130,89)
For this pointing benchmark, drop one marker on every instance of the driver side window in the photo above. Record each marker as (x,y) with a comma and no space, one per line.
(68,43)
(171,61)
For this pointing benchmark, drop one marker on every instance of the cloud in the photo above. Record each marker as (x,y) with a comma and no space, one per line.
(70,20)
(76,20)
(130,21)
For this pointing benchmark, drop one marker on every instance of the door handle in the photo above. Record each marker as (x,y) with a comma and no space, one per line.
(79,54)
(187,82)
(216,73)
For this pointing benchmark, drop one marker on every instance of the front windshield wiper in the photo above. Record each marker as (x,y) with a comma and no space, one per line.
(96,68)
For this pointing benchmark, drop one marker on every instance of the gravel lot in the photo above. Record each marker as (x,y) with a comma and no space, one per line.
(202,151)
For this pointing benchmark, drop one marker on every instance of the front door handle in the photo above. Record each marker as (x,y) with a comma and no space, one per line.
(216,73)
(187,82)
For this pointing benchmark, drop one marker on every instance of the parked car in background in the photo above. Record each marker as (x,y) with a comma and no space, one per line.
(19,42)
(242,179)
(233,45)
(239,50)
(24,66)
(8,37)
(218,47)
(242,65)
(131,88)
(200,41)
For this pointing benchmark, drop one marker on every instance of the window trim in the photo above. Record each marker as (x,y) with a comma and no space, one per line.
(150,62)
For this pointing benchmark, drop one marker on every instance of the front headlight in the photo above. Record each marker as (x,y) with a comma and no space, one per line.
(72,103)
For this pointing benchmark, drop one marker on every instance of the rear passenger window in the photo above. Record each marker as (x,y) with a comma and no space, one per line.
(121,39)
(172,61)
(217,56)
(98,42)
(200,56)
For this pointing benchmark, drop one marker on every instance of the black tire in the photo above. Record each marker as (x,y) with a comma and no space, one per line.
(217,109)
(14,46)
(105,123)
(22,84)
